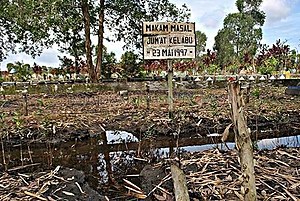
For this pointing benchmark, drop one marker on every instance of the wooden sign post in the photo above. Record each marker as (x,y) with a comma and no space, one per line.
(169,40)
(170,89)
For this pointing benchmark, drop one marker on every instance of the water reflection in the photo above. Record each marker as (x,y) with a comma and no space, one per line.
(101,163)
(293,141)
(120,137)
(121,162)
(115,163)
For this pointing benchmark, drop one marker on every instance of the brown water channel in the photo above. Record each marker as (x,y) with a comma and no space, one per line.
(117,155)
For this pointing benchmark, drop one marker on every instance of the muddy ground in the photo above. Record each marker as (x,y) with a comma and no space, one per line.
(71,113)
(79,113)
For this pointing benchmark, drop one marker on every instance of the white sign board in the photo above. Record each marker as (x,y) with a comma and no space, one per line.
(169,52)
(169,40)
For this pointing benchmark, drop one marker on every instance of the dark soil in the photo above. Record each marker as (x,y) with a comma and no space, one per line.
(198,112)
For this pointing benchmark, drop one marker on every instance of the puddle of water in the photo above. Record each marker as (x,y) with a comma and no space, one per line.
(122,161)
(99,162)
(293,141)
(120,137)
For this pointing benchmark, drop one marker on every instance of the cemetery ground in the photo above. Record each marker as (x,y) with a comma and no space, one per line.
(37,127)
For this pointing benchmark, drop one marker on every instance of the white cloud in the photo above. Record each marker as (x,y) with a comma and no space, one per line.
(208,15)
(287,30)
(48,58)
(16,57)
(212,20)
(277,10)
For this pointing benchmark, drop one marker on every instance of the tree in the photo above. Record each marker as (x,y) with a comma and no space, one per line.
(39,24)
(241,33)
(108,63)
(22,71)
(224,48)
(65,62)
(6,36)
(124,19)
(70,30)
(201,39)
(277,56)
(100,38)
(27,23)
(130,64)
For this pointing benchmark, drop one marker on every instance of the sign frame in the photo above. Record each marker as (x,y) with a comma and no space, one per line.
(182,34)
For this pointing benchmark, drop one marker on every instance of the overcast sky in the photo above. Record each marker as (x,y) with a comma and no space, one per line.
(283,17)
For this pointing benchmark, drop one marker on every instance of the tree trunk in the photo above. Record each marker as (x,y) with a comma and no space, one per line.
(243,142)
(100,39)
(88,46)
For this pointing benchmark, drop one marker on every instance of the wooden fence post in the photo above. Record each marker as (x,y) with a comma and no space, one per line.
(243,142)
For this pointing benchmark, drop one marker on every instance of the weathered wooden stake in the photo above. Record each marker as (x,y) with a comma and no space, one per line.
(148,96)
(25,96)
(243,141)
(3,155)
(21,152)
(180,187)
(170,89)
